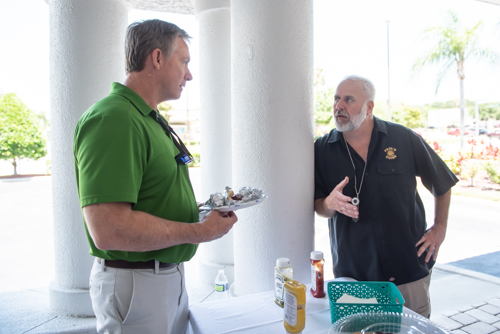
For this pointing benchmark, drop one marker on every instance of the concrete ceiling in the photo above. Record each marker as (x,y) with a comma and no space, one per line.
(171,6)
(187,6)
(495,2)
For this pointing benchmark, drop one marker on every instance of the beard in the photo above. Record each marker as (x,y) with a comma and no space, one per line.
(354,122)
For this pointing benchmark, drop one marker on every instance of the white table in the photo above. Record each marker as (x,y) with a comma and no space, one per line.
(256,314)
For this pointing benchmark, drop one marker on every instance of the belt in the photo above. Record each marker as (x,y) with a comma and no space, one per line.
(122,264)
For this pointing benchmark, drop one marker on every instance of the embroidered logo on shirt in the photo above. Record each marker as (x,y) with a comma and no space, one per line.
(391,153)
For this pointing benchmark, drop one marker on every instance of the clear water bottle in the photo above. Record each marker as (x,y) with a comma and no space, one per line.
(221,291)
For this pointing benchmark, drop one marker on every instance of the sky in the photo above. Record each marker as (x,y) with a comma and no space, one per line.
(350,37)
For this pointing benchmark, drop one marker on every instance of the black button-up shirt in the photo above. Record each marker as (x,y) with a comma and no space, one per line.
(381,245)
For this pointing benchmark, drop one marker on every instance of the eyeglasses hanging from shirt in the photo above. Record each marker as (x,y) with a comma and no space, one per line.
(184,157)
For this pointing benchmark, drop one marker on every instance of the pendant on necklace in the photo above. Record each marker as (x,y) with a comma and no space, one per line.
(355,201)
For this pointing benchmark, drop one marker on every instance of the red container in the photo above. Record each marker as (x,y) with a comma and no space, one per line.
(317,277)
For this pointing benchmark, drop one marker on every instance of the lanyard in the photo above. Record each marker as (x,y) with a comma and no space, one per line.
(184,157)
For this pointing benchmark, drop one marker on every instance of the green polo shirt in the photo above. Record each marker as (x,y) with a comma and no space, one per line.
(123,155)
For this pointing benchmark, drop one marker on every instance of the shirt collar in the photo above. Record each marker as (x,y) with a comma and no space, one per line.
(378,125)
(133,97)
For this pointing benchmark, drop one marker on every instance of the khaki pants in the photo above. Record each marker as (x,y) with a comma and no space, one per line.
(416,295)
(128,301)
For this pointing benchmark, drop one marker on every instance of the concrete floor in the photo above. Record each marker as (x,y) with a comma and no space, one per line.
(26,225)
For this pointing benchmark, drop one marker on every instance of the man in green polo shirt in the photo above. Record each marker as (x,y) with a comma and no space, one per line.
(138,205)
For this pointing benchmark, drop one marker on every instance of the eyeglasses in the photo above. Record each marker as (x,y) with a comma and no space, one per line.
(184,157)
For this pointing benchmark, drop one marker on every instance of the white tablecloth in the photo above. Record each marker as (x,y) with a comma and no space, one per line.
(256,314)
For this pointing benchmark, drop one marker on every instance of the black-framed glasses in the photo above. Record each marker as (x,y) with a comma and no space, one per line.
(184,157)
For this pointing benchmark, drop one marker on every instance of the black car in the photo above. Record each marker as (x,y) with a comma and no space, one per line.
(472,129)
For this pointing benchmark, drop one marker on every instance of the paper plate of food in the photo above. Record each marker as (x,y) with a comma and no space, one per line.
(230,201)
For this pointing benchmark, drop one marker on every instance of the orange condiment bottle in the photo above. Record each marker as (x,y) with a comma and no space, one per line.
(317,277)
(295,307)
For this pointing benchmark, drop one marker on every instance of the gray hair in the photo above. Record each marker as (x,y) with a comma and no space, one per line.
(367,84)
(145,36)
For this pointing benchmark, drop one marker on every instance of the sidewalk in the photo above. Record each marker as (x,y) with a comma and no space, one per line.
(463,301)
(470,301)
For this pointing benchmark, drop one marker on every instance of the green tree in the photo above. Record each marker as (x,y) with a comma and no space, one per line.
(323,100)
(454,44)
(323,106)
(164,109)
(486,111)
(380,110)
(20,135)
(444,105)
(411,117)
(449,104)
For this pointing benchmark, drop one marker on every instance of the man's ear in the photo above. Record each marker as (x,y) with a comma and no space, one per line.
(370,105)
(156,57)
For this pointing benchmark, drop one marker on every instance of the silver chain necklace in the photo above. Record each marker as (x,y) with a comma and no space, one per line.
(355,200)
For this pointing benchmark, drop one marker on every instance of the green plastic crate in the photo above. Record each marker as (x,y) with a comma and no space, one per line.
(387,294)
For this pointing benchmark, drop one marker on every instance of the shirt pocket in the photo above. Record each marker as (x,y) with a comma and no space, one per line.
(392,177)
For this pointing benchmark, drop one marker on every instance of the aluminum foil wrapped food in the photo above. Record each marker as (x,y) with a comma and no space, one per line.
(216,199)
(250,194)
(229,197)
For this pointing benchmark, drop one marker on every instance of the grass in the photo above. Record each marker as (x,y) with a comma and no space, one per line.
(492,196)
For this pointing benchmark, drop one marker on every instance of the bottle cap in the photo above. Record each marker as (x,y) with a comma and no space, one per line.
(283,262)
(221,271)
(316,255)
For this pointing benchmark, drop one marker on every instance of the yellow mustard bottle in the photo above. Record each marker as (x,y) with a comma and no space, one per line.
(295,307)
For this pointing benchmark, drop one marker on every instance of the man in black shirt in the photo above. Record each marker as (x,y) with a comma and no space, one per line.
(365,183)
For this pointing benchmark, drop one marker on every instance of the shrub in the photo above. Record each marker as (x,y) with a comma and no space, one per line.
(196,160)
(491,152)
(470,170)
(452,163)
(493,172)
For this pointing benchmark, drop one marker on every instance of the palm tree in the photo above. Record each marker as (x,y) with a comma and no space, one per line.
(455,44)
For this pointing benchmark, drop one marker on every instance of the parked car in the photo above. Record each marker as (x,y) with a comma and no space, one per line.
(494,134)
(472,129)
(456,131)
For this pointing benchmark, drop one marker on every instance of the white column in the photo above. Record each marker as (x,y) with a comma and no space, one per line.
(214,18)
(86,55)
(272,100)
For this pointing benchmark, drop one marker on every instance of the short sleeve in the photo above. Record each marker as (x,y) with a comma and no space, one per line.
(433,171)
(110,156)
